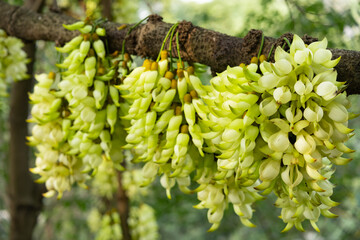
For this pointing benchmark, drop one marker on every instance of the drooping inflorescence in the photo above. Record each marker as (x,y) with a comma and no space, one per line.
(78,133)
(79,112)
(12,61)
(255,129)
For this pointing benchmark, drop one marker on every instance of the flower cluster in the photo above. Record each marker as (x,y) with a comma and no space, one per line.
(77,117)
(256,129)
(271,127)
(303,130)
(12,61)
(164,131)
(78,133)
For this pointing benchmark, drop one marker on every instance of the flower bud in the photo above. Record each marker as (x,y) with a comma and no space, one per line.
(268,81)
(299,87)
(269,170)
(182,88)
(283,66)
(303,56)
(74,43)
(150,122)
(90,67)
(337,112)
(74,26)
(167,183)
(86,29)
(99,93)
(327,90)
(313,115)
(111,116)
(84,49)
(166,101)
(268,106)
(322,55)
(197,84)
(163,121)
(150,170)
(303,146)
(114,94)
(150,80)
(282,95)
(88,114)
(189,112)
(79,92)
(279,141)
(173,130)
(101,32)
(99,48)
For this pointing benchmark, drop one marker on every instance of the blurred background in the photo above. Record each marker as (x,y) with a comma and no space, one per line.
(337,20)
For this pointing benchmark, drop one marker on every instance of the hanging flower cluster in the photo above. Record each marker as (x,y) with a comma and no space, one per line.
(78,133)
(77,117)
(261,128)
(303,131)
(12,61)
(273,127)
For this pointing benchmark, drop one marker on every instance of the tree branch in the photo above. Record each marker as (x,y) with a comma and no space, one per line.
(197,44)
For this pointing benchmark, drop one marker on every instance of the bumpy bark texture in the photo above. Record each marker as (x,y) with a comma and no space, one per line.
(197,44)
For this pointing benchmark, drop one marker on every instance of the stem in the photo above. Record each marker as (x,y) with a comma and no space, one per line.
(272,47)
(261,45)
(287,41)
(127,34)
(164,41)
(170,44)
(178,48)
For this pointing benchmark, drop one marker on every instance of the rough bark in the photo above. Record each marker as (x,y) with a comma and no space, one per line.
(197,44)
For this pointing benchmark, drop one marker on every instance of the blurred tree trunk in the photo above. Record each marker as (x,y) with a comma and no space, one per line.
(106,9)
(123,208)
(25,195)
(123,205)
